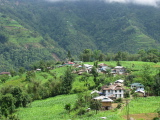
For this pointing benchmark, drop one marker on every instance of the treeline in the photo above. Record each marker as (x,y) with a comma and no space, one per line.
(152,55)
(106,27)
(13,97)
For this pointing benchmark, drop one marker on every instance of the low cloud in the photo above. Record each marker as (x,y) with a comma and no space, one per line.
(141,2)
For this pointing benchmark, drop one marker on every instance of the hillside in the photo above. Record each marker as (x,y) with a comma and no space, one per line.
(20,47)
(52,28)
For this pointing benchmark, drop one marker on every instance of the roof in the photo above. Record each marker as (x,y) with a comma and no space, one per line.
(113,87)
(107,100)
(95,91)
(102,64)
(103,99)
(137,85)
(119,67)
(2,73)
(119,81)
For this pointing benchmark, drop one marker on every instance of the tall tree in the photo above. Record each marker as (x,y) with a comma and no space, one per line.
(67,81)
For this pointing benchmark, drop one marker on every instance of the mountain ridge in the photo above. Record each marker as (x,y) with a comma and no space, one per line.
(75,26)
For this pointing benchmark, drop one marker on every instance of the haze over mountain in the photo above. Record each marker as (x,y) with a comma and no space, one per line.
(47,29)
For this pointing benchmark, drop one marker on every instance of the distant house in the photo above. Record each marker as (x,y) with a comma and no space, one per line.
(78,62)
(139,88)
(5,73)
(119,81)
(113,91)
(104,69)
(118,70)
(69,63)
(105,101)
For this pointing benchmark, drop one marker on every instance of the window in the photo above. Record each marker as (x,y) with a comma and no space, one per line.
(115,90)
(119,90)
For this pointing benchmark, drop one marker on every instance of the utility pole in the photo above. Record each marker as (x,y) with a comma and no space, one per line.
(127,109)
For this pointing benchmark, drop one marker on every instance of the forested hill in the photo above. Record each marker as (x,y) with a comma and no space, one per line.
(58,27)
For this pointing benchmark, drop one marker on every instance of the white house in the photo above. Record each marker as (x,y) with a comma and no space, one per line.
(119,81)
(118,70)
(115,90)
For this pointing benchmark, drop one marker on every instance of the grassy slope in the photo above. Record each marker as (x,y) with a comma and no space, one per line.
(138,65)
(53,108)
(17,33)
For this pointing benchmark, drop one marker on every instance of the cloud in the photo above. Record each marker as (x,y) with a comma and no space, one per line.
(141,2)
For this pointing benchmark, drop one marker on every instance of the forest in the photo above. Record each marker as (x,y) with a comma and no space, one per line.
(49,30)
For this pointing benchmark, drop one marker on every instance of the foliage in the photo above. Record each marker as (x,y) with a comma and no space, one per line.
(68,107)
(67,81)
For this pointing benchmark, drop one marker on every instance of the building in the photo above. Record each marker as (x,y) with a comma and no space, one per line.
(105,102)
(113,91)
(139,89)
(118,70)
(137,86)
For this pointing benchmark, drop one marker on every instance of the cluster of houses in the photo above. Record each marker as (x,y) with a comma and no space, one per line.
(109,93)
(102,68)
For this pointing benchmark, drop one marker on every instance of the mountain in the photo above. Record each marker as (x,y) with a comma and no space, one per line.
(52,28)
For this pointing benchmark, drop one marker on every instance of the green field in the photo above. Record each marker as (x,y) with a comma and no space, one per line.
(53,109)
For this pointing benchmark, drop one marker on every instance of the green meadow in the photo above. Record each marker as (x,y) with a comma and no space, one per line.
(53,109)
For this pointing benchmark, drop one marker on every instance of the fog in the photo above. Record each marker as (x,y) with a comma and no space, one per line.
(141,2)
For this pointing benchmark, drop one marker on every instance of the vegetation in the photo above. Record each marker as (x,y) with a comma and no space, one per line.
(28,35)
(36,36)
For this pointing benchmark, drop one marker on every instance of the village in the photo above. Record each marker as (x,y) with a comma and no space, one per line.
(108,94)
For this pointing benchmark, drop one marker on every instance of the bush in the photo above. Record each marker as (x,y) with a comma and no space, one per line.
(82,111)
(119,100)
(119,106)
(156,118)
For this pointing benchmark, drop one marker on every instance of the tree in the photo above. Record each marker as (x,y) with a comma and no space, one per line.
(68,107)
(86,55)
(95,75)
(3,38)
(4,78)
(22,70)
(67,80)
(156,84)
(30,75)
(95,105)
(69,55)
(7,104)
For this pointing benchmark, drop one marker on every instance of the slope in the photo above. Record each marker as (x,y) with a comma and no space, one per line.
(20,47)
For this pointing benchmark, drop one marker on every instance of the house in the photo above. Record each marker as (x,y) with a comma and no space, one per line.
(113,91)
(119,81)
(139,88)
(105,101)
(118,70)
(5,73)
(69,63)
(78,62)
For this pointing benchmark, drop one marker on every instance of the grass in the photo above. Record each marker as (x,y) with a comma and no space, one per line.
(48,109)
(143,105)
(53,109)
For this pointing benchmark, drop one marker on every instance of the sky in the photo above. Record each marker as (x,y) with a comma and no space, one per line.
(141,2)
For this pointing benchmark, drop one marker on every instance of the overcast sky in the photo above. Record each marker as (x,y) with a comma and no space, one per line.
(141,2)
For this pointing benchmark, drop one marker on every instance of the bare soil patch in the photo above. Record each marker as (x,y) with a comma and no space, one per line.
(142,116)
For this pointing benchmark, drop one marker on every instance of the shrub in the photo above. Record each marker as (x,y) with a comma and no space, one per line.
(119,106)
(82,111)
(119,100)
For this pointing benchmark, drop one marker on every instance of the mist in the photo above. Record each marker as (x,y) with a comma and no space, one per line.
(140,2)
